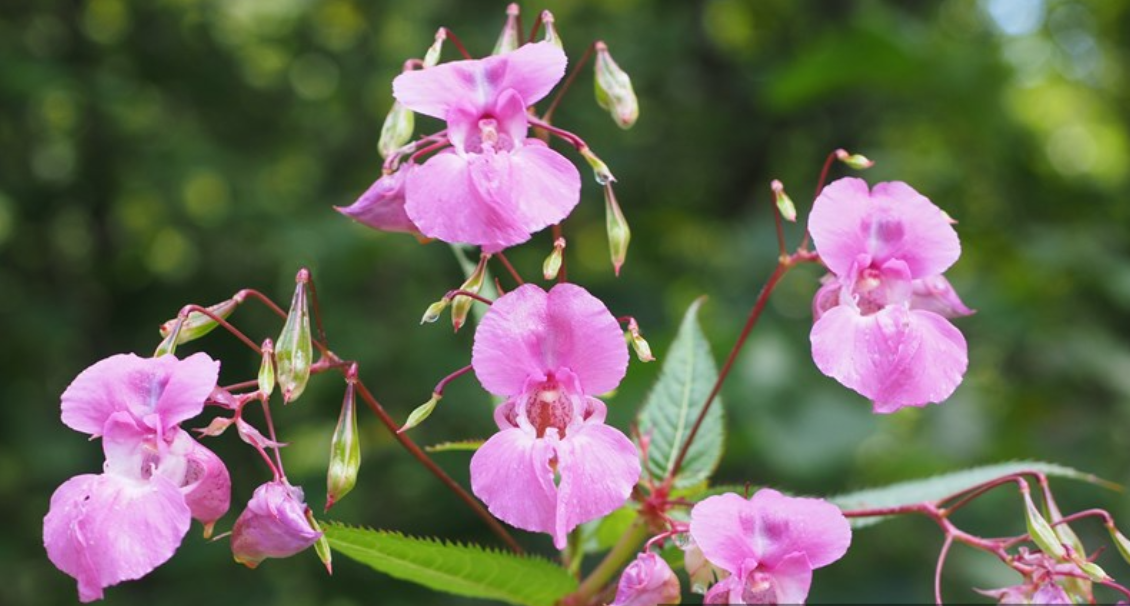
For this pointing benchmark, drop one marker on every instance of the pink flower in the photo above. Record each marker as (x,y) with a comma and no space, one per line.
(382,205)
(495,187)
(647,581)
(274,525)
(121,524)
(769,544)
(553,464)
(880,323)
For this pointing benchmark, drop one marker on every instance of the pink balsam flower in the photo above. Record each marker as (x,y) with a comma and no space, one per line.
(769,544)
(121,524)
(495,186)
(647,581)
(274,525)
(553,464)
(881,323)
(382,205)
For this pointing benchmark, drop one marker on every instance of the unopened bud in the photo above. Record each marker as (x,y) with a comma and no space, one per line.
(421,413)
(322,545)
(639,344)
(618,233)
(397,129)
(510,38)
(552,265)
(1121,542)
(599,168)
(1039,530)
(1091,569)
(168,345)
(431,58)
(274,525)
(267,369)
(784,203)
(551,34)
(856,161)
(345,448)
(198,324)
(294,350)
(614,89)
(435,310)
(461,305)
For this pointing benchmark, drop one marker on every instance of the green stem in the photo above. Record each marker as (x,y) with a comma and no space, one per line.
(623,551)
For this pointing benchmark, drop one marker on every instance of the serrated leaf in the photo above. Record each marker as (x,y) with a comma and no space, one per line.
(942,486)
(467,570)
(674,403)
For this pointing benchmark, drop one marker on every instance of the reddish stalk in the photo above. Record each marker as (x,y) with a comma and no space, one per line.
(548,115)
(438,390)
(557,235)
(457,42)
(510,268)
(451,294)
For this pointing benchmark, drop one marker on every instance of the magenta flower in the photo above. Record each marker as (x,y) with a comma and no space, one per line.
(553,464)
(769,544)
(495,186)
(647,581)
(274,525)
(382,205)
(880,322)
(121,524)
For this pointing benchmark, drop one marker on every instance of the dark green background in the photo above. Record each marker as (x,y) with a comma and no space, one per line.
(157,153)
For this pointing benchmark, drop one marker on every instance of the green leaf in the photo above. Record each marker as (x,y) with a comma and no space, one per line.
(602,534)
(466,570)
(942,486)
(674,403)
(464,445)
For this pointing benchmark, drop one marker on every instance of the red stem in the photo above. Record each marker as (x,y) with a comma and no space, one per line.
(438,390)
(548,115)
(510,268)
(557,235)
(457,42)
(451,294)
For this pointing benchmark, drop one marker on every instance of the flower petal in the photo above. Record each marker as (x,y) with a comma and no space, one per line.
(934,293)
(105,529)
(190,383)
(273,525)
(206,484)
(647,581)
(598,467)
(896,357)
(891,221)
(382,205)
(510,472)
(510,341)
(531,70)
(546,186)
(722,527)
(785,525)
(792,578)
(445,199)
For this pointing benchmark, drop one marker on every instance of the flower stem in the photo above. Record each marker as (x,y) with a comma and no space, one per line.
(548,115)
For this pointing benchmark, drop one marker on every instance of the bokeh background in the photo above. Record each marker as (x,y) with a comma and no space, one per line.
(160,152)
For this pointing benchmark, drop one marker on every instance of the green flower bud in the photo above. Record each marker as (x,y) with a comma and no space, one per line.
(431,58)
(420,414)
(461,305)
(198,324)
(345,448)
(267,369)
(856,161)
(599,168)
(510,38)
(618,232)
(322,545)
(435,310)
(294,351)
(784,203)
(552,264)
(614,89)
(551,34)
(1040,530)
(639,344)
(397,129)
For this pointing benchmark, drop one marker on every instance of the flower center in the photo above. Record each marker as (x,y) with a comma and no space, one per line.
(549,406)
(759,589)
(488,139)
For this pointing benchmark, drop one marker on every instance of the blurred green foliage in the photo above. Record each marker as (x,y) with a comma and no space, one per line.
(163,152)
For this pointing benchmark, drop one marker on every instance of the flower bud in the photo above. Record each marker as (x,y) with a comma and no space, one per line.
(267,369)
(431,58)
(639,344)
(510,38)
(197,324)
(856,161)
(614,89)
(461,305)
(784,203)
(420,414)
(552,265)
(345,448)
(551,34)
(435,310)
(599,168)
(274,525)
(397,129)
(701,572)
(618,233)
(646,582)
(294,350)
(322,545)
(1039,530)
(1120,542)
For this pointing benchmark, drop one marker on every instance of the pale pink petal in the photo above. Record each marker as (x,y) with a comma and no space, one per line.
(382,205)
(895,357)
(784,525)
(598,467)
(545,186)
(106,387)
(531,71)
(827,297)
(131,449)
(792,578)
(935,294)
(105,529)
(513,121)
(510,472)
(892,221)
(722,528)
(726,591)
(273,525)
(585,338)
(206,484)
(189,384)
(511,341)
(445,199)
(647,581)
